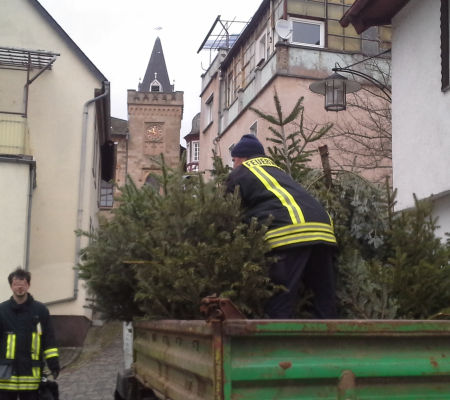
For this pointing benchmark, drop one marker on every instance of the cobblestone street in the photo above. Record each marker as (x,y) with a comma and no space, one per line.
(92,375)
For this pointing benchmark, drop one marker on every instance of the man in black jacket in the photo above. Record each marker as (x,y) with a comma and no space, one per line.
(300,231)
(27,339)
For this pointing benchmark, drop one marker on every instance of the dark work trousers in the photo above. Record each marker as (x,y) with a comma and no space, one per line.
(24,395)
(315,266)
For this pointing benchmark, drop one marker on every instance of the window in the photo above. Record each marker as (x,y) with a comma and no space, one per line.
(195,150)
(261,50)
(308,32)
(254,128)
(153,182)
(155,86)
(209,110)
(106,194)
(230,88)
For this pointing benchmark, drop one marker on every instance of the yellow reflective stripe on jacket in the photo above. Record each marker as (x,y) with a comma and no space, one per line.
(299,228)
(37,372)
(300,233)
(18,386)
(11,346)
(273,186)
(302,239)
(49,353)
(23,379)
(35,346)
(22,382)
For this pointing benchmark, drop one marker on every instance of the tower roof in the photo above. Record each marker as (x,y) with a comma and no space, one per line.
(156,72)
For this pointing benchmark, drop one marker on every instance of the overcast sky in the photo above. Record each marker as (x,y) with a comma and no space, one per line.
(118,37)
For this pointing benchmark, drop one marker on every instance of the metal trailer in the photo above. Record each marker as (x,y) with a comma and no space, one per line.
(290,359)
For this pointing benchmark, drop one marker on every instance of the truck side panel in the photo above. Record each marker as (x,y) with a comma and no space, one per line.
(175,359)
(268,359)
(336,360)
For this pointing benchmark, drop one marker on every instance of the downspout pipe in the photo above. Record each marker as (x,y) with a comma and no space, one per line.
(126,156)
(219,112)
(81,184)
(31,186)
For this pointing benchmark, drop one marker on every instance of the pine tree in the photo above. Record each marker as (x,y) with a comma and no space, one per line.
(203,249)
(390,264)
(361,293)
(291,138)
(357,209)
(417,262)
(164,250)
(105,262)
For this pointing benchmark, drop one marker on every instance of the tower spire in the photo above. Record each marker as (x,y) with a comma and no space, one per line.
(156,77)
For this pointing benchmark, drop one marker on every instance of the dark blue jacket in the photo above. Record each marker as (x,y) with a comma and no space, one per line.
(27,339)
(294,217)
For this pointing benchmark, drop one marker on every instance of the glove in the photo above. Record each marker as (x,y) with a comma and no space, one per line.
(53,366)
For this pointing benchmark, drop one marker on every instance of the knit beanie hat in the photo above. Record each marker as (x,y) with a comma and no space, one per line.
(248,146)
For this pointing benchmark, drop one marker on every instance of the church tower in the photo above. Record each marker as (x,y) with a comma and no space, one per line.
(155,111)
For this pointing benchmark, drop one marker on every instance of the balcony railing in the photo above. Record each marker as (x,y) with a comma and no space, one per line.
(14,136)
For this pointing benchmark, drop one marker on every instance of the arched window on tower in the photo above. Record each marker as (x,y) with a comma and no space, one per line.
(152,181)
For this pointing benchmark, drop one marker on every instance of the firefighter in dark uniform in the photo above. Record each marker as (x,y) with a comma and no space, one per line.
(27,339)
(300,231)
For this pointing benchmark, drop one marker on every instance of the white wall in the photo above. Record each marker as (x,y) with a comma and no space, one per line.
(14,187)
(55,123)
(421,120)
(441,209)
(420,111)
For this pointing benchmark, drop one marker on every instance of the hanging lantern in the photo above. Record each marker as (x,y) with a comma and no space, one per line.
(335,89)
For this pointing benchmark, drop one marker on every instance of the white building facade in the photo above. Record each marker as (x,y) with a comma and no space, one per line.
(54,152)
(420,112)
(420,97)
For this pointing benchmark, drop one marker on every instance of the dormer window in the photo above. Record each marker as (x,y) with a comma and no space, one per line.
(155,86)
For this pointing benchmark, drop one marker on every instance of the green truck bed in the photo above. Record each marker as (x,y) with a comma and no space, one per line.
(293,359)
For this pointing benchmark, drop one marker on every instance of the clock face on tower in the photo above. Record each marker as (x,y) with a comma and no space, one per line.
(153,132)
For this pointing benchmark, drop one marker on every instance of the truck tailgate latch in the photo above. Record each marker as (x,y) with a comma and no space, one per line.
(217,308)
